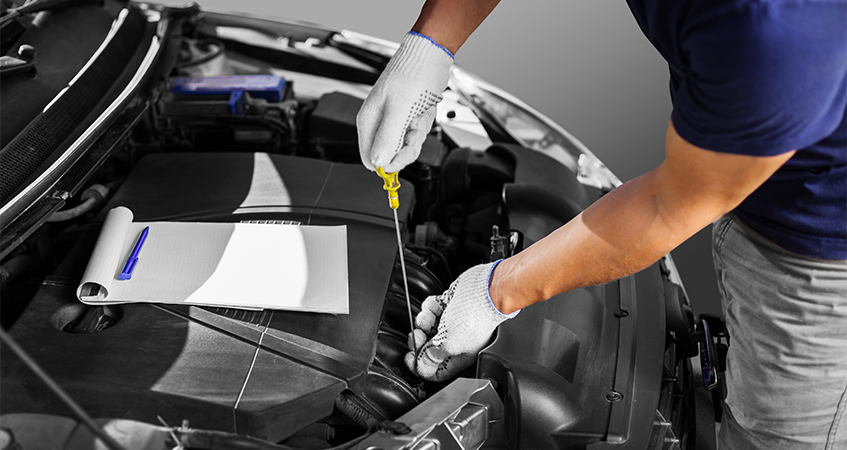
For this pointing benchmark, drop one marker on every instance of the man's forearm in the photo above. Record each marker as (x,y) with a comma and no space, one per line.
(451,22)
(619,235)
(632,226)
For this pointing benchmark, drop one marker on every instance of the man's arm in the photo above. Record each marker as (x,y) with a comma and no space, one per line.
(634,225)
(451,22)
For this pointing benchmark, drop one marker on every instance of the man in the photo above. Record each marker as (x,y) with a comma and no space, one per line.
(756,142)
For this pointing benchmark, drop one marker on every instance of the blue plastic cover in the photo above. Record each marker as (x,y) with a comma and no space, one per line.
(269,87)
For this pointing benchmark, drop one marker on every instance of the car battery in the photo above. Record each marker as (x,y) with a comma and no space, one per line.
(225,95)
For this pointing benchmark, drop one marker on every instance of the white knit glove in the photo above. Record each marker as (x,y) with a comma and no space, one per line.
(465,318)
(399,111)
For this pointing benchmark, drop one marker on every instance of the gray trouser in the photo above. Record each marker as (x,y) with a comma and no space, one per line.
(787,364)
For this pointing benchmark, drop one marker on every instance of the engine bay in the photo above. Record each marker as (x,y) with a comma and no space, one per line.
(237,132)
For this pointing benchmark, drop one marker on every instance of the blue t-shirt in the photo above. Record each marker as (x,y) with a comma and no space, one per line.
(761,78)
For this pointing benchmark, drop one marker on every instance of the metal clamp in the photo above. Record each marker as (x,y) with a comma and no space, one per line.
(462,416)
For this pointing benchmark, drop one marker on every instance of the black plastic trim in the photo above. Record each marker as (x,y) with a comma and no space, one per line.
(25,156)
(21,219)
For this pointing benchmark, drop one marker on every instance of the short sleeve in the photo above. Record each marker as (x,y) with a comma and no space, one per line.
(764,77)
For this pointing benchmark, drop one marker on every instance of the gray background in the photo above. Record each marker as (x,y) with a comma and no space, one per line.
(584,63)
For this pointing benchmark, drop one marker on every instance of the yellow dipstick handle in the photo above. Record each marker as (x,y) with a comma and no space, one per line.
(392,184)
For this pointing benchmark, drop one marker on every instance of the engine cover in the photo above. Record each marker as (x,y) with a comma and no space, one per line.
(262,373)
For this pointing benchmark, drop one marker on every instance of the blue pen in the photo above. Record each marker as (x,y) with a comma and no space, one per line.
(126,274)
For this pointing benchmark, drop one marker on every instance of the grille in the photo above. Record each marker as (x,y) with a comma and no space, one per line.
(29,150)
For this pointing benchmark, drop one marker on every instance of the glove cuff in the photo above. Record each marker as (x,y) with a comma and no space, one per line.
(488,294)
(420,56)
(415,33)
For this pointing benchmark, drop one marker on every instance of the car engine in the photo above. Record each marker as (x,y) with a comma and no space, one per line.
(253,120)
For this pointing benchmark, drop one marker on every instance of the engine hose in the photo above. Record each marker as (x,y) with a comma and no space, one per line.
(432,251)
(73,213)
(204,58)
(346,404)
(422,282)
(90,197)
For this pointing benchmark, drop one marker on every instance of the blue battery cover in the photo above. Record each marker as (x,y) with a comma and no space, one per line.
(269,87)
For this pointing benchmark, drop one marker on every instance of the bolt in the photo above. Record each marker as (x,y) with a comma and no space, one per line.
(614,397)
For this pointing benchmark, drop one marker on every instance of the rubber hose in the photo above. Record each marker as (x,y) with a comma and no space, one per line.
(91,197)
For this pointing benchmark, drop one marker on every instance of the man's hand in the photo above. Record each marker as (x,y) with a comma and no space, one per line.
(454,326)
(399,111)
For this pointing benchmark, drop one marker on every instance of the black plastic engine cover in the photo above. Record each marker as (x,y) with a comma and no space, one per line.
(332,127)
(583,369)
(261,373)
